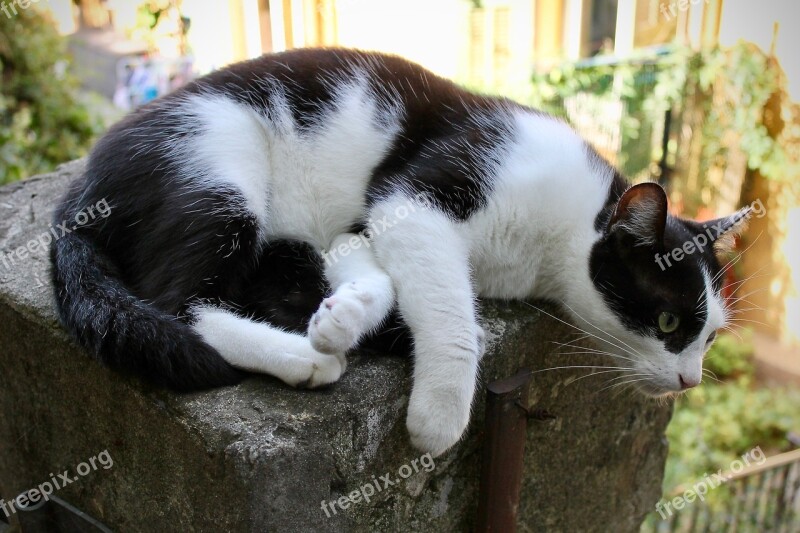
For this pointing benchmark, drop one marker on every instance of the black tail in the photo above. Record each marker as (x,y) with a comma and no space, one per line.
(125,332)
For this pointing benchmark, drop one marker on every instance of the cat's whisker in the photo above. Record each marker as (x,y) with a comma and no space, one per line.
(576,327)
(747,321)
(733,311)
(735,260)
(700,297)
(628,376)
(588,350)
(602,372)
(757,273)
(745,309)
(740,283)
(569,344)
(582,336)
(598,353)
(730,330)
(626,387)
(633,352)
(732,263)
(614,385)
(733,308)
(731,299)
(579,366)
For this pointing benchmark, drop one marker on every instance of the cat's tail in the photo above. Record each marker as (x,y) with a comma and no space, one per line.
(124,332)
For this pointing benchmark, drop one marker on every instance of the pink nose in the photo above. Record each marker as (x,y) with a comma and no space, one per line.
(687,383)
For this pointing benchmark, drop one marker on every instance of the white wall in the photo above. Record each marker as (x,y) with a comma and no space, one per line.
(430,32)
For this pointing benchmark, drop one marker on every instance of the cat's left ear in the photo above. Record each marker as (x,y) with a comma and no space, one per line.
(642,213)
(726,230)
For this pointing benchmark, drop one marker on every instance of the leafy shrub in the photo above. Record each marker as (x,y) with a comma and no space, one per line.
(728,87)
(718,422)
(731,356)
(42,120)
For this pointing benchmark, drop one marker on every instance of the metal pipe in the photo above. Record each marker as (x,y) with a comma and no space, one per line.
(502,465)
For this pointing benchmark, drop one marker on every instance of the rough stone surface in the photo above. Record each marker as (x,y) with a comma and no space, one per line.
(262,457)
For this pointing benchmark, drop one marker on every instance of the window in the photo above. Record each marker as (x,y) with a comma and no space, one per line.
(653,27)
(602,27)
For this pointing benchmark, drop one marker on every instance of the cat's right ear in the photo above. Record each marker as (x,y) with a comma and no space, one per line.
(641,212)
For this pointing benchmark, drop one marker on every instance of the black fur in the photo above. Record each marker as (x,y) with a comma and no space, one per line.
(123,331)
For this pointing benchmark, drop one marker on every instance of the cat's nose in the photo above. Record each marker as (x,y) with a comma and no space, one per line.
(688,383)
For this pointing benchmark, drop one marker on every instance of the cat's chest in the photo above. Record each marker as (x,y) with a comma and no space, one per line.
(505,254)
(521,248)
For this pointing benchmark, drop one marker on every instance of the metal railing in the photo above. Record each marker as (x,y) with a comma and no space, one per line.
(759,498)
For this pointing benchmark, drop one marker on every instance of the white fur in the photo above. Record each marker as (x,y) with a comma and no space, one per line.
(222,154)
(262,348)
(428,261)
(318,181)
(546,194)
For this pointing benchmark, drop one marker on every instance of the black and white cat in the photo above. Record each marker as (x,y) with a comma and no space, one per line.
(460,195)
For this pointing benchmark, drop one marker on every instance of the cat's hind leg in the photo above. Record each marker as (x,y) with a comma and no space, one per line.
(261,348)
(362,296)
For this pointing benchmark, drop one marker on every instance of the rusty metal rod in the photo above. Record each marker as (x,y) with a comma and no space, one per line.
(503,453)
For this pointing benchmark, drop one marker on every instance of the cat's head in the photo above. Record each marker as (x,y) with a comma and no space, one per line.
(660,278)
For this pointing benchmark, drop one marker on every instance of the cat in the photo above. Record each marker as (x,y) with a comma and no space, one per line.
(413,196)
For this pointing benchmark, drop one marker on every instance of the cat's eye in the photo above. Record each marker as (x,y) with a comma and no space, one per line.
(668,322)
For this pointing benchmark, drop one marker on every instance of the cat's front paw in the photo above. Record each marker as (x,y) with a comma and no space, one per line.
(315,370)
(339,321)
(437,419)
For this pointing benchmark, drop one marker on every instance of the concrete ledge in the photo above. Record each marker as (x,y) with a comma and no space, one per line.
(262,457)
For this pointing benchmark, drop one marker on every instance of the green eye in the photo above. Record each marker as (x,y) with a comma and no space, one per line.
(668,322)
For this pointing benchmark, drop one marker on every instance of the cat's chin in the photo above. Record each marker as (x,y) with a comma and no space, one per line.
(655,391)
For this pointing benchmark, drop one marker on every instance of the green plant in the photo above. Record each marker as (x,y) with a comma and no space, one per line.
(731,356)
(728,88)
(719,421)
(42,122)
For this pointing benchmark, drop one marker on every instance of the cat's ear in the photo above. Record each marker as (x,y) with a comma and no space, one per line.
(725,230)
(642,213)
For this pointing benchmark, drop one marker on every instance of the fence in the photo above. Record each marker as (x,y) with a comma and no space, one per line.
(759,498)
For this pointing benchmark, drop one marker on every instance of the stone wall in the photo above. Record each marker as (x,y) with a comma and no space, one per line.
(262,457)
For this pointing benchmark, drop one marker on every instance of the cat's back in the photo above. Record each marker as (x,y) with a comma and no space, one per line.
(300,138)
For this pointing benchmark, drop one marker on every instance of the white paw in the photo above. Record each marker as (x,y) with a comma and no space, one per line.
(340,321)
(438,418)
(312,370)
